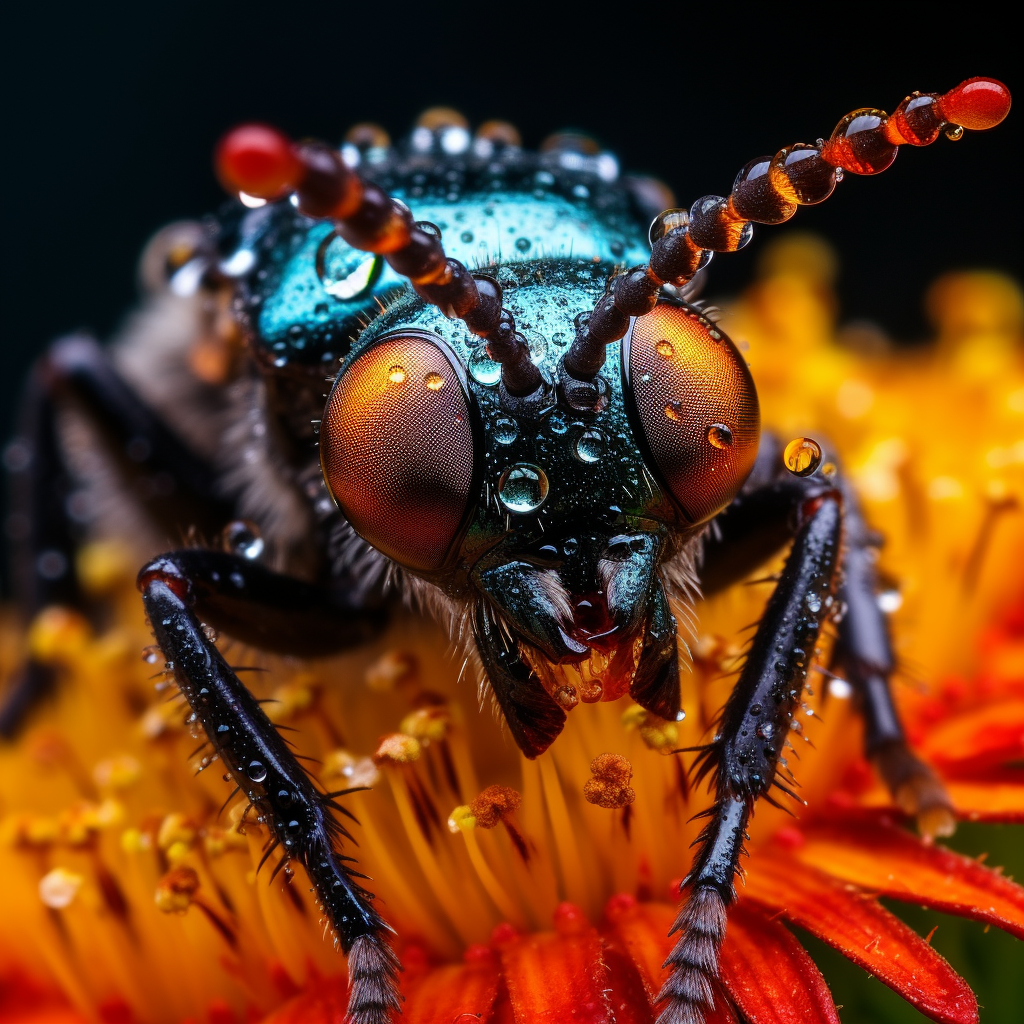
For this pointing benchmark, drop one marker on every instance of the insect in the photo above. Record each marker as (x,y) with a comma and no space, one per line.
(541,446)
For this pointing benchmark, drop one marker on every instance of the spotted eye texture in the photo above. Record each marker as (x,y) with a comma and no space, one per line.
(697,407)
(396,446)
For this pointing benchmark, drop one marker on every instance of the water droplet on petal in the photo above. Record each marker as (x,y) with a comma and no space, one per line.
(523,487)
(720,435)
(483,368)
(802,456)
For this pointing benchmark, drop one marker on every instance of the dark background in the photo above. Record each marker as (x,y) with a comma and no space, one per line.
(111,116)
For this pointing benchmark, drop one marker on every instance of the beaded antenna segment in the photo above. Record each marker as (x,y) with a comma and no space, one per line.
(260,161)
(768,190)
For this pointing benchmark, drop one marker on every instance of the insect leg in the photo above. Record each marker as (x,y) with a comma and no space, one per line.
(756,526)
(745,752)
(259,761)
(76,372)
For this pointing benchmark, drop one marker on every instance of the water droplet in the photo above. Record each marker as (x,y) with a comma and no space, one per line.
(467,236)
(242,538)
(674,410)
(434,381)
(570,545)
(720,435)
(396,374)
(523,244)
(590,446)
(889,601)
(756,709)
(346,273)
(523,487)
(765,730)
(953,132)
(813,602)
(505,430)
(557,424)
(665,349)
(256,771)
(483,368)
(802,456)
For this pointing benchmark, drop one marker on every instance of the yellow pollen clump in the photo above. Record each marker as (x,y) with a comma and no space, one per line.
(57,634)
(398,748)
(295,696)
(101,565)
(59,887)
(355,770)
(426,724)
(392,669)
(176,831)
(609,787)
(117,772)
(176,890)
(658,734)
(461,819)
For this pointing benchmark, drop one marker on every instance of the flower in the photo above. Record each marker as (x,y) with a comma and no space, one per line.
(535,891)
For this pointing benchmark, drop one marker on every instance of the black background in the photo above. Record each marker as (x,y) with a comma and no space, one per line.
(110,117)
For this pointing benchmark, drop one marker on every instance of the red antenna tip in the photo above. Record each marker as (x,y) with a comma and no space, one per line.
(257,160)
(976,104)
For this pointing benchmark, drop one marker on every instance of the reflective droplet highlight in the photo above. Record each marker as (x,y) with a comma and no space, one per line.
(346,273)
(590,446)
(483,368)
(256,770)
(665,349)
(434,381)
(523,487)
(720,435)
(505,430)
(674,410)
(396,374)
(242,538)
(802,456)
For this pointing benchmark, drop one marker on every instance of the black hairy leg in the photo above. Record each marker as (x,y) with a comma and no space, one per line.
(759,523)
(179,588)
(76,373)
(744,756)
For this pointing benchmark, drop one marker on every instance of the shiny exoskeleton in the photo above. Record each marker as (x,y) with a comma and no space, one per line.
(535,441)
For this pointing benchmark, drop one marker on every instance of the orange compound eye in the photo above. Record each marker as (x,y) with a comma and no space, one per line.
(397,451)
(696,405)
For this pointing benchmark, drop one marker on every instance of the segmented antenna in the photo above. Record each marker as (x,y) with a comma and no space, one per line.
(260,161)
(768,191)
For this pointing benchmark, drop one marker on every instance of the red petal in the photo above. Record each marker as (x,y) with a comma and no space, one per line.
(441,995)
(769,974)
(556,978)
(973,741)
(323,1002)
(643,929)
(890,862)
(865,933)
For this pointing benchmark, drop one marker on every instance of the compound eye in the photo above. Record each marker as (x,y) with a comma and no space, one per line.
(696,405)
(396,447)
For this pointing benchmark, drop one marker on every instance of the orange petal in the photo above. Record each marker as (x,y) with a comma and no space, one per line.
(769,975)
(865,933)
(556,977)
(890,862)
(980,801)
(643,929)
(442,994)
